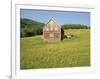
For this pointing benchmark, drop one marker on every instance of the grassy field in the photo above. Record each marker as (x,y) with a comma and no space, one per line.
(36,53)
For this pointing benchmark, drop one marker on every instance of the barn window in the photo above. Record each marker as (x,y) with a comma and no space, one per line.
(51,28)
(47,29)
(56,29)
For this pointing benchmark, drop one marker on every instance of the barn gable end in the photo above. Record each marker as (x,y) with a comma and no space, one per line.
(52,31)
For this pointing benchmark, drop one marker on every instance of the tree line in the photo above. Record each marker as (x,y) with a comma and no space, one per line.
(74,26)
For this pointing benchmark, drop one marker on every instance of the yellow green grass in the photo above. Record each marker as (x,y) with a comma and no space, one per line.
(75,52)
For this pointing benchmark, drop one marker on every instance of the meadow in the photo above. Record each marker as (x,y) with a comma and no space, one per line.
(36,53)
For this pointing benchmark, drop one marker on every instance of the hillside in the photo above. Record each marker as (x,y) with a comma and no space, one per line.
(30,27)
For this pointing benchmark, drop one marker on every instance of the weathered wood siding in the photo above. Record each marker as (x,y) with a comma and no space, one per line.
(51,31)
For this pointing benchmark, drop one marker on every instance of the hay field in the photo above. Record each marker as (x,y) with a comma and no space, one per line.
(75,52)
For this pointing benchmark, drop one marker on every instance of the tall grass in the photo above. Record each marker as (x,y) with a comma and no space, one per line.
(36,53)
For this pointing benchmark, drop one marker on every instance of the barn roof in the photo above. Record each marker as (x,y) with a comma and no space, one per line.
(53,21)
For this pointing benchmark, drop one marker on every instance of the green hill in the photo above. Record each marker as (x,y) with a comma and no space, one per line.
(30,27)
